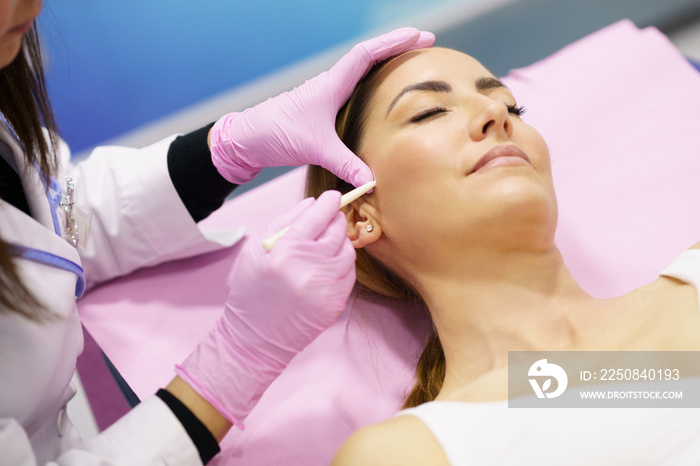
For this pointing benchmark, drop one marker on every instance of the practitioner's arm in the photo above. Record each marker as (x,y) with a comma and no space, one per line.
(198,183)
(210,418)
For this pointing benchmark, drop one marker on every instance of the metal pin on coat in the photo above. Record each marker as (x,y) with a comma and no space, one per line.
(345,199)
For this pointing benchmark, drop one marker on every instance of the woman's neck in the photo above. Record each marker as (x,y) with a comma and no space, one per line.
(485,306)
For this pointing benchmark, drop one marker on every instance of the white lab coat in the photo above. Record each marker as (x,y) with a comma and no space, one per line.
(138,220)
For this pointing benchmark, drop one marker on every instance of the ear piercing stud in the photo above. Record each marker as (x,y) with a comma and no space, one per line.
(369,228)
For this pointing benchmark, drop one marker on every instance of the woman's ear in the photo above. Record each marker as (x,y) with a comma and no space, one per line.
(363,224)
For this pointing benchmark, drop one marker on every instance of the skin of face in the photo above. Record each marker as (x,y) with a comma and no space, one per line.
(429,211)
(16,16)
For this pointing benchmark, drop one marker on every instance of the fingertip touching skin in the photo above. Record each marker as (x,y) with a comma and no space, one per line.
(370,52)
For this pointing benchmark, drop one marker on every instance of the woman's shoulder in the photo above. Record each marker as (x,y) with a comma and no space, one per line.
(671,303)
(401,440)
(683,271)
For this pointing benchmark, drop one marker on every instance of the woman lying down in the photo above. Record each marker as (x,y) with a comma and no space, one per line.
(463,218)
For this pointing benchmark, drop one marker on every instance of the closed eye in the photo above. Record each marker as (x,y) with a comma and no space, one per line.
(427,114)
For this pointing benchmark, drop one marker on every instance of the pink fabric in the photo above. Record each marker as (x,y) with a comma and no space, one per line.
(99,385)
(619,110)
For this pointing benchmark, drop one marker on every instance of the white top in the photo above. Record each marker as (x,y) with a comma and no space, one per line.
(490,433)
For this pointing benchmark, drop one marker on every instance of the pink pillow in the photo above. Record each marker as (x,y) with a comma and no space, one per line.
(619,110)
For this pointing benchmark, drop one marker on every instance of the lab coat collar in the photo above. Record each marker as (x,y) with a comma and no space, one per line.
(21,229)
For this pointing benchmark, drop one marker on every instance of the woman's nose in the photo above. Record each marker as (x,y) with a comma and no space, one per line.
(491,116)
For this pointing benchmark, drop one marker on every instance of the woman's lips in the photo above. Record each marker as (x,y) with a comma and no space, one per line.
(502,155)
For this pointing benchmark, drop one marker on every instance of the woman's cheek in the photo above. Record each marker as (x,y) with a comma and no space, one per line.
(400,177)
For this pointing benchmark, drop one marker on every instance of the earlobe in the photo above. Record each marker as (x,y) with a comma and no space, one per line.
(363,227)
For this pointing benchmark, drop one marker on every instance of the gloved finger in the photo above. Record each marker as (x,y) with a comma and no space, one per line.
(346,257)
(332,239)
(314,220)
(396,42)
(346,276)
(426,39)
(358,61)
(342,263)
(344,164)
(286,219)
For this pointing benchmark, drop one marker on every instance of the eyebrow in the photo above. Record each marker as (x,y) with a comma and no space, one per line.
(488,82)
(482,84)
(432,86)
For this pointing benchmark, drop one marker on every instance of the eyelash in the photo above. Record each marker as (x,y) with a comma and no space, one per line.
(517,110)
(427,114)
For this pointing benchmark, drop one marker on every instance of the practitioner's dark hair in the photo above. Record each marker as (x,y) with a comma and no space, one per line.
(25,104)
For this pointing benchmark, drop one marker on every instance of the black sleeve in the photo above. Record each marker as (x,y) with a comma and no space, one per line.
(203,439)
(200,186)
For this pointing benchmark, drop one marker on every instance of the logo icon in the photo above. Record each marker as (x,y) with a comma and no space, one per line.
(542,368)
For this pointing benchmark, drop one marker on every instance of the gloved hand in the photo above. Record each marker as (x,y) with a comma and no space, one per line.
(298,127)
(279,302)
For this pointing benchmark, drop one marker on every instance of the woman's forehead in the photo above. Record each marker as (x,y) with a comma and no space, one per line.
(435,63)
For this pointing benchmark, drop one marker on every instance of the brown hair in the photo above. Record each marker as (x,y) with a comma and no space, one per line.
(25,103)
(372,275)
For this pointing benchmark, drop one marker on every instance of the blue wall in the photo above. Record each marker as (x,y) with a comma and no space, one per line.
(114,66)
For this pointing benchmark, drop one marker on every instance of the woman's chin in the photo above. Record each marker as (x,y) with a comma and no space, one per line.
(521,189)
(524,202)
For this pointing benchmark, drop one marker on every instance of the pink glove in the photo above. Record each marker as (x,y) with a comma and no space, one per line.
(279,302)
(298,127)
